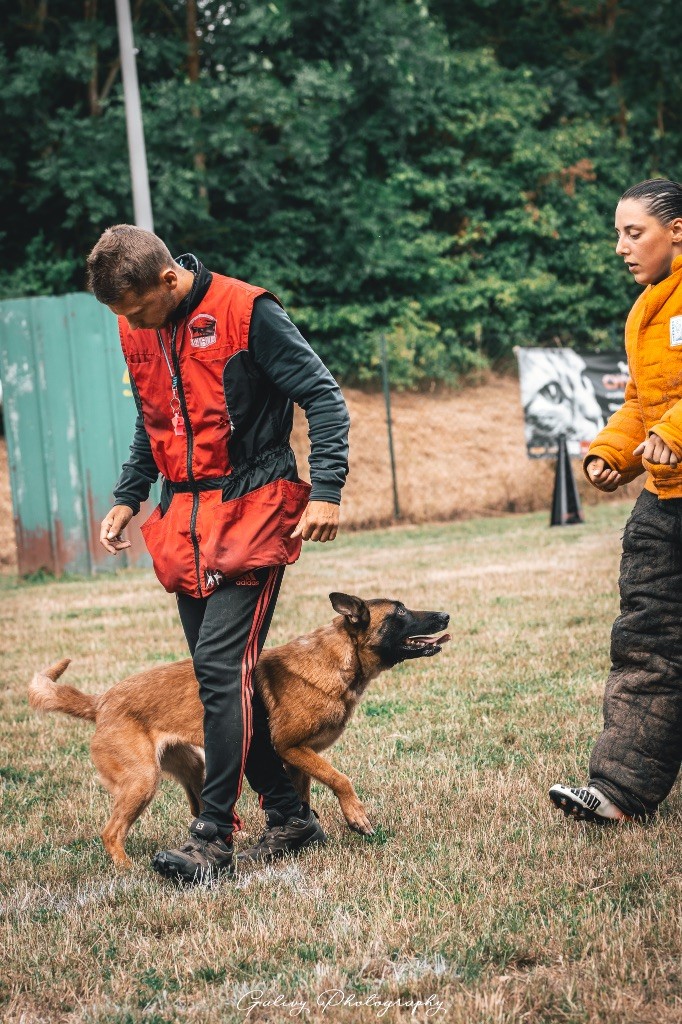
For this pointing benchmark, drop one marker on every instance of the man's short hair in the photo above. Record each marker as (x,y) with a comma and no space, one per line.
(126,258)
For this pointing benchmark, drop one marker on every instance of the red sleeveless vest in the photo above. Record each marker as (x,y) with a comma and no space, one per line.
(200,540)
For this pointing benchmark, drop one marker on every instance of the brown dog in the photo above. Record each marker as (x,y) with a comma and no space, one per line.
(152,722)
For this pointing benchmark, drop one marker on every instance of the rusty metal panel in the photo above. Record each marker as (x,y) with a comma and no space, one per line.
(69,418)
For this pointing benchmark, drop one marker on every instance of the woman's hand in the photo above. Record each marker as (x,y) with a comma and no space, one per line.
(655,450)
(601,475)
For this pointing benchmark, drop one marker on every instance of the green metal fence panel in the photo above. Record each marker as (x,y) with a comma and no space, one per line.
(69,418)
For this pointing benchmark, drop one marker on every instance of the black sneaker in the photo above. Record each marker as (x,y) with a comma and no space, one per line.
(285,836)
(199,861)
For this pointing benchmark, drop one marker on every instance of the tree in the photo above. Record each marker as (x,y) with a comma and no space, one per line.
(442,174)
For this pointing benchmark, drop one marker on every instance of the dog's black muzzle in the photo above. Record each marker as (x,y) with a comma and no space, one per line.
(417,639)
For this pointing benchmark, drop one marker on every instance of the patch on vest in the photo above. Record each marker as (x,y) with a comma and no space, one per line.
(675,331)
(212,578)
(203,330)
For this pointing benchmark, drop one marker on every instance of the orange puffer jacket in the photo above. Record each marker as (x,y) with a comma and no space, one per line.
(653,397)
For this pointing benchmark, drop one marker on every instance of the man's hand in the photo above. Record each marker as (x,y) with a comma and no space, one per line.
(655,450)
(113,525)
(601,475)
(320,521)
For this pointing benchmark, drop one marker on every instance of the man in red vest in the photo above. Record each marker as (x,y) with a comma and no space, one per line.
(215,365)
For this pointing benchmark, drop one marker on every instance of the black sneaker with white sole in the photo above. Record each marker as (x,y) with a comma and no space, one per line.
(285,836)
(201,860)
(586,804)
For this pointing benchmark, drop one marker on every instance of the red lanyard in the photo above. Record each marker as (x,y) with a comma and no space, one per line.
(177,418)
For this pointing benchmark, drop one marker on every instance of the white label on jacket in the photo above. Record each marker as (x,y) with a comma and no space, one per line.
(675,331)
(203,330)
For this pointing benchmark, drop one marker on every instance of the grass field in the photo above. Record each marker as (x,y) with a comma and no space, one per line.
(474,893)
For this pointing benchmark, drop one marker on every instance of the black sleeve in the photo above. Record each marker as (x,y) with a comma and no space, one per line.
(140,471)
(280,350)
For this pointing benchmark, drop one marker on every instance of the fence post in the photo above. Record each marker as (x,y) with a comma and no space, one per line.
(387,399)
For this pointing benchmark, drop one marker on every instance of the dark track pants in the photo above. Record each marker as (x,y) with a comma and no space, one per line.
(637,758)
(225,633)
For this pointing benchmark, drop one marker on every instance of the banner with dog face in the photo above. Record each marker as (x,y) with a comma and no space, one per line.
(570,393)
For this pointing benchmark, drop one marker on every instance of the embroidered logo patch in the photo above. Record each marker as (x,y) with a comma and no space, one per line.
(675,331)
(203,330)
(212,578)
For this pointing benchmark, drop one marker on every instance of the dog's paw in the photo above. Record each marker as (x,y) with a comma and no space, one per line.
(359,822)
(123,863)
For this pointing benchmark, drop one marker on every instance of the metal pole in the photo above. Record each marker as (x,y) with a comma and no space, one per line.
(142,204)
(387,397)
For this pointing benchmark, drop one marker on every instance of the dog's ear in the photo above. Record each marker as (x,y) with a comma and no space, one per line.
(353,609)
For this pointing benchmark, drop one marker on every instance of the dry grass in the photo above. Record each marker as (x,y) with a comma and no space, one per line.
(474,892)
(8,554)
(458,454)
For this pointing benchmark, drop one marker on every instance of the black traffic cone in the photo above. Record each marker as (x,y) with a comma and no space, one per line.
(565,500)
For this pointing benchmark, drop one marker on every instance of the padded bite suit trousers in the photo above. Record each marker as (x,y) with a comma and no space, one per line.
(637,757)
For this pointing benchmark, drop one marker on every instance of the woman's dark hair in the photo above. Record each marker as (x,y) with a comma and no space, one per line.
(662,198)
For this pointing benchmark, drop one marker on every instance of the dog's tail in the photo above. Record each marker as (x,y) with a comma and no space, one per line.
(45,694)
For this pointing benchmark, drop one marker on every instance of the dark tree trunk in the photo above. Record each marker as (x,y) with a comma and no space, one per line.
(193,71)
(611,13)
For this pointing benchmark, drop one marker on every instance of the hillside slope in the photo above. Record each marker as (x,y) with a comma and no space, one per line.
(458,454)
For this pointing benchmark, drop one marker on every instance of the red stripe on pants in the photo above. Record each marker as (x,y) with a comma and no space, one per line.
(248,665)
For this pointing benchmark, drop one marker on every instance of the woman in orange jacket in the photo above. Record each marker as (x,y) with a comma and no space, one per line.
(637,758)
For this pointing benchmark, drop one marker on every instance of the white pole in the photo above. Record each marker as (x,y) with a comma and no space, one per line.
(142,203)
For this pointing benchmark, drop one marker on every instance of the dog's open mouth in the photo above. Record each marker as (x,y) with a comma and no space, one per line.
(426,644)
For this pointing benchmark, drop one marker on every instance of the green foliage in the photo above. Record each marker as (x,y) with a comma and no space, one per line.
(442,175)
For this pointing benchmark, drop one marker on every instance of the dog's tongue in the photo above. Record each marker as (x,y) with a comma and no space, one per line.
(430,640)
